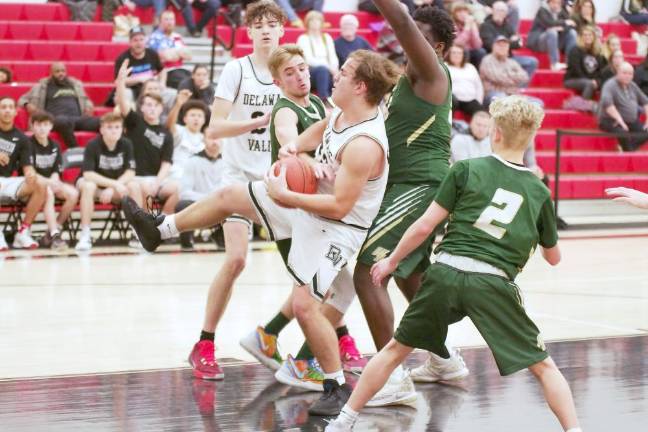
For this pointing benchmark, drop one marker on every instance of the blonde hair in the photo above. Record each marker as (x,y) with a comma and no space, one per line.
(281,55)
(310,16)
(517,119)
(597,47)
(379,74)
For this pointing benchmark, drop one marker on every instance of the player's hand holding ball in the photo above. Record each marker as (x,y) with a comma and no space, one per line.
(276,183)
(381,270)
(288,150)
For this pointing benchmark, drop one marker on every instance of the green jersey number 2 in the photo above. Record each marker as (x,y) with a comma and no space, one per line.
(503,208)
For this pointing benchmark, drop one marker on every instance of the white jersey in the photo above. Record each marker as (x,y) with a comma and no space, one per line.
(253,95)
(366,207)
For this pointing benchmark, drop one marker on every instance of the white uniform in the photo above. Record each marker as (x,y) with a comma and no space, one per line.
(321,247)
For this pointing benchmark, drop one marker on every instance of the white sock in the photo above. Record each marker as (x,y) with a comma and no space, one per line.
(168,228)
(576,429)
(348,416)
(85,230)
(337,376)
(54,232)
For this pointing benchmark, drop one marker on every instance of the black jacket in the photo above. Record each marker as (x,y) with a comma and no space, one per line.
(641,76)
(544,20)
(489,30)
(581,64)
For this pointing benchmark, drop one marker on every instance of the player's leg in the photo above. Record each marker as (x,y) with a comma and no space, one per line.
(376,305)
(88,191)
(169,194)
(35,193)
(70,196)
(556,392)
(52,237)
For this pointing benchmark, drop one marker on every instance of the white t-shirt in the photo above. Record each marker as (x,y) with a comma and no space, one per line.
(186,144)
(253,95)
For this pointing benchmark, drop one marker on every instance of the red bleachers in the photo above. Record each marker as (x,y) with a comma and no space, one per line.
(96,92)
(55,31)
(35,12)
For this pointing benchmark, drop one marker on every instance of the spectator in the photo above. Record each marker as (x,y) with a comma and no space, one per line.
(144,63)
(65,99)
(585,64)
(188,139)
(468,32)
(208,9)
(152,145)
(612,44)
(319,52)
(584,14)
(158,7)
(107,174)
(610,71)
(474,144)
(48,163)
(154,87)
(497,25)
(553,32)
(467,88)
(15,156)
(641,76)
(349,41)
(5,75)
(621,100)
(171,49)
(199,85)
(512,12)
(388,45)
(635,11)
(291,7)
(203,174)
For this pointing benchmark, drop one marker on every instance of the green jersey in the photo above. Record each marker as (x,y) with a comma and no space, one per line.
(499,212)
(306,116)
(419,136)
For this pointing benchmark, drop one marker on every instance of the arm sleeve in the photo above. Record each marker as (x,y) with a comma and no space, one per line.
(156,63)
(641,97)
(452,186)
(167,148)
(132,120)
(230,81)
(90,157)
(26,158)
(547,228)
(607,96)
(129,159)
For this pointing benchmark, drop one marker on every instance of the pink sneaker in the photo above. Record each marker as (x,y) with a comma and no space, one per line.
(352,360)
(203,362)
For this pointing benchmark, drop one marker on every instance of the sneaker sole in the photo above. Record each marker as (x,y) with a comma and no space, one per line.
(284,378)
(408,399)
(352,369)
(149,244)
(449,377)
(248,343)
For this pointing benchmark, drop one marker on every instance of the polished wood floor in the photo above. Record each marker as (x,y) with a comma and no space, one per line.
(99,342)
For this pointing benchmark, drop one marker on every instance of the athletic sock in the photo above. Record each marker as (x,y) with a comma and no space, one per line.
(336,376)
(207,336)
(341,332)
(348,416)
(168,228)
(24,227)
(85,230)
(304,353)
(276,324)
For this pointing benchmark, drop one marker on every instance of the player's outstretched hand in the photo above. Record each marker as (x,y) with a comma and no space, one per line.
(288,150)
(323,171)
(276,184)
(628,196)
(381,270)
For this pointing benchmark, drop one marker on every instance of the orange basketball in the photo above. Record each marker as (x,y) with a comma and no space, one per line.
(299,175)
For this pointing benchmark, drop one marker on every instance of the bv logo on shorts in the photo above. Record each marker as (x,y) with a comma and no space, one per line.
(334,254)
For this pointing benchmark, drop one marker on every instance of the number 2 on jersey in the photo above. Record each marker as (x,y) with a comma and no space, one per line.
(504,206)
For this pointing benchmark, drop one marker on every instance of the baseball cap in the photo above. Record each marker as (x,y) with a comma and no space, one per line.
(501,38)
(136,30)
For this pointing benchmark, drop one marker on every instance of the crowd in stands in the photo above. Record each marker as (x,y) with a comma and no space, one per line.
(153,144)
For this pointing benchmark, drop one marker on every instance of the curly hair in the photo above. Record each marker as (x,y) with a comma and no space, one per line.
(264,8)
(442,28)
(517,118)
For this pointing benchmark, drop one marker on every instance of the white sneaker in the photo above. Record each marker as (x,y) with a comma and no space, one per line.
(84,243)
(437,368)
(398,390)
(24,240)
(3,243)
(337,425)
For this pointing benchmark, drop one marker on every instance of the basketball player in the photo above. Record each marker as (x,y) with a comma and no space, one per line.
(326,228)
(500,212)
(296,110)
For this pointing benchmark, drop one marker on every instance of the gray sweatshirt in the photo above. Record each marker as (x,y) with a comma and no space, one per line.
(202,175)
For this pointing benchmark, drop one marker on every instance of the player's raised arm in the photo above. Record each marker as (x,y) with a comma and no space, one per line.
(307,141)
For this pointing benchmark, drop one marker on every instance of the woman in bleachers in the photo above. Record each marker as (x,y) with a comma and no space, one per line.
(616,60)
(199,84)
(612,44)
(319,51)
(468,32)
(467,88)
(553,32)
(585,64)
(584,14)
(5,75)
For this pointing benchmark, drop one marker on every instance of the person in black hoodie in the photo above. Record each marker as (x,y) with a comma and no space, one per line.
(553,32)
(641,76)
(585,64)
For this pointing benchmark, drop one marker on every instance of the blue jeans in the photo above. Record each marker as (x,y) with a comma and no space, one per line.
(635,19)
(321,80)
(208,8)
(158,5)
(528,63)
(552,43)
(291,7)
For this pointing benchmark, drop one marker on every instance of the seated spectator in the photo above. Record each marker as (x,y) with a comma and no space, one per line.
(585,64)
(152,145)
(203,174)
(468,33)
(612,68)
(612,44)
(65,99)
(15,156)
(553,32)
(487,6)
(171,49)
(188,139)
(291,7)
(48,163)
(158,7)
(467,88)
(208,9)
(388,45)
(621,100)
(319,52)
(349,41)
(497,25)
(155,87)
(474,144)
(199,85)
(107,174)
(5,75)
(584,14)
(635,11)
(641,76)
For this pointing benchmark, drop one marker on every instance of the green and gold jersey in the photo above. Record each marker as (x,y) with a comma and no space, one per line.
(306,116)
(419,136)
(499,212)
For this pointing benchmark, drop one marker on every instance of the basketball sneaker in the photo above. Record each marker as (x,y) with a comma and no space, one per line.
(24,240)
(263,347)
(398,390)
(333,399)
(437,368)
(337,425)
(306,374)
(3,243)
(203,362)
(352,360)
(84,243)
(144,224)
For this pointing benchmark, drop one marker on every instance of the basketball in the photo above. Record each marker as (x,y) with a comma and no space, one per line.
(299,175)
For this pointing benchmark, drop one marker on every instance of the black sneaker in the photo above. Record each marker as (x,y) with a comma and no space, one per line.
(333,399)
(144,224)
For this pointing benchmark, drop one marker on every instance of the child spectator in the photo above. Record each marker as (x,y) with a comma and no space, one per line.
(188,139)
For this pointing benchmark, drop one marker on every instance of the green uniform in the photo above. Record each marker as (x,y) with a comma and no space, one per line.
(306,116)
(419,151)
(499,213)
